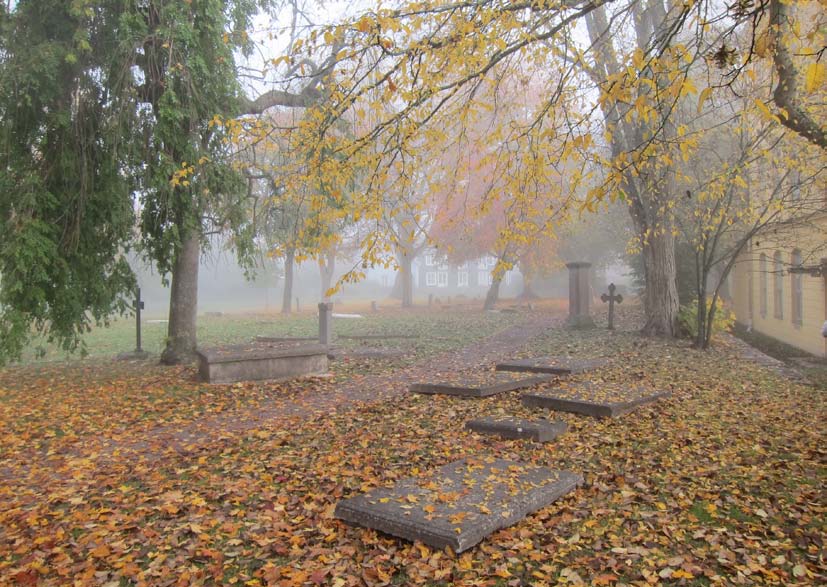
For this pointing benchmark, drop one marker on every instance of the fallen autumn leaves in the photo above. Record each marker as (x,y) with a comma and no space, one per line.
(722,483)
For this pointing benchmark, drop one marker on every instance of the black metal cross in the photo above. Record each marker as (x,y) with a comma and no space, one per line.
(139,305)
(612,298)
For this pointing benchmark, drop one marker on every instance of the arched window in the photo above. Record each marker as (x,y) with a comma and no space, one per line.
(763,284)
(778,285)
(796,280)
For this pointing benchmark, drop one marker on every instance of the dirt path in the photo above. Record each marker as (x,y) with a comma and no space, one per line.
(161,442)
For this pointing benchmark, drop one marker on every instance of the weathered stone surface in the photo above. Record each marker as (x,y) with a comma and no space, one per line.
(377,336)
(287,339)
(458,505)
(480,384)
(555,365)
(339,353)
(257,361)
(537,430)
(605,400)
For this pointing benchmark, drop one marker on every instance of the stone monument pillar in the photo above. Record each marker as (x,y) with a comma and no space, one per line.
(579,295)
(325,323)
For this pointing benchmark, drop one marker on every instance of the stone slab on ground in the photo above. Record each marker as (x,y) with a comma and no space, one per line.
(603,400)
(459,504)
(259,360)
(479,383)
(339,354)
(378,336)
(287,338)
(554,365)
(537,430)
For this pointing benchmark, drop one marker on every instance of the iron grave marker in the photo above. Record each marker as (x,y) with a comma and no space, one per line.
(601,400)
(611,298)
(459,504)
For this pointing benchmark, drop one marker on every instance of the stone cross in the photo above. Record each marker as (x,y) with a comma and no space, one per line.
(325,323)
(579,295)
(139,305)
(612,298)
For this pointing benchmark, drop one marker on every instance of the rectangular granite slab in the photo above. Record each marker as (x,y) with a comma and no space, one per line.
(259,360)
(537,430)
(479,384)
(603,400)
(553,365)
(459,504)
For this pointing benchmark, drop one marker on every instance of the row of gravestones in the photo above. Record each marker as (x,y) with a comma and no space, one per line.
(461,503)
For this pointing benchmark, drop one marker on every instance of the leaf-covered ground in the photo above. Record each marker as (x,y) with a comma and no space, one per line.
(723,483)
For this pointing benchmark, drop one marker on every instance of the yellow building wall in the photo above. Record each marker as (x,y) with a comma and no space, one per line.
(811,240)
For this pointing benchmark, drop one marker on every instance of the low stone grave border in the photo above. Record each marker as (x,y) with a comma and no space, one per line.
(585,407)
(471,390)
(517,428)
(552,365)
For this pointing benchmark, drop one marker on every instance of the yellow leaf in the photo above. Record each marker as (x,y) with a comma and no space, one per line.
(765,112)
(705,94)
(815,77)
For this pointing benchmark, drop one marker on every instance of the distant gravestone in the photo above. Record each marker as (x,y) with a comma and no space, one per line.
(479,384)
(537,430)
(600,400)
(560,365)
(458,505)
(579,295)
(258,361)
(611,298)
(325,323)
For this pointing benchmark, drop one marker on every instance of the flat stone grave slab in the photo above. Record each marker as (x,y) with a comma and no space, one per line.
(537,430)
(479,383)
(260,360)
(601,400)
(554,365)
(287,338)
(363,352)
(459,504)
(378,336)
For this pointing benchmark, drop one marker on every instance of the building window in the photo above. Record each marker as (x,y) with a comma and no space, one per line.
(796,280)
(763,285)
(442,279)
(481,263)
(778,285)
(492,261)
(430,278)
(463,267)
(429,260)
(484,278)
(462,279)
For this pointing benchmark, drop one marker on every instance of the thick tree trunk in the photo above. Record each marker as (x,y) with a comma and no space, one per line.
(287,295)
(660,301)
(327,267)
(493,294)
(183,304)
